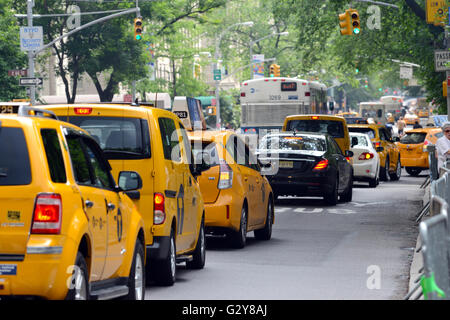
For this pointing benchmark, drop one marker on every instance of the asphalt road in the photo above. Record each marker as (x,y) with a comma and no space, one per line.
(357,250)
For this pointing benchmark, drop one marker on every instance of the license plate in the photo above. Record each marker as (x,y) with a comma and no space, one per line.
(9,109)
(286,164)
(8,269)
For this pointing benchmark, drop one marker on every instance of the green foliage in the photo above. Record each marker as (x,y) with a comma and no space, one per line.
(10,55)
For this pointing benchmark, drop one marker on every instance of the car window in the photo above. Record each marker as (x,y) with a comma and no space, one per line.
(439,135)
(101,175)
(210,148)
(15,166)
(79,161)
(54,155)
(170,139)
(186,143)
(367,131)
(413,138)
(298,142)
(334,147)
(119,137)
(332,127)
(235,148)
(362,141)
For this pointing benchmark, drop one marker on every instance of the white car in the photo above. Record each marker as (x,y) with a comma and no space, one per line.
(366,162)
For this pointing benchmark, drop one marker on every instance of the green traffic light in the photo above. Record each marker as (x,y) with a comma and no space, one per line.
(356,31)
(138,37)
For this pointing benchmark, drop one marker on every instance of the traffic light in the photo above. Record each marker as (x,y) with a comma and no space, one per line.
(276,71)
(272,70)
(345,23)
(366,84)
(138,28)
(444,88)
(356,24)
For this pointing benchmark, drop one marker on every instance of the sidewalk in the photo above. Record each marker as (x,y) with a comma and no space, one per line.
(417,262)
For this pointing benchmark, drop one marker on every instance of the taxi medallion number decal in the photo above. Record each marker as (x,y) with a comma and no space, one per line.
(8,269)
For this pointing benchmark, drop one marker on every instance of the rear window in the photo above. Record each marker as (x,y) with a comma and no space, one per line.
(306,143)
(361,141)
(15,166)
(120,138)
(368,131)
(333,128)
(413,138)
(208,148)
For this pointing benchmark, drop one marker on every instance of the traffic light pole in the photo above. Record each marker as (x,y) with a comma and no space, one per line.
(31,55)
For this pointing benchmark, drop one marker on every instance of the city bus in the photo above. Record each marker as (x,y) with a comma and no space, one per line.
(266,102)
(394,105)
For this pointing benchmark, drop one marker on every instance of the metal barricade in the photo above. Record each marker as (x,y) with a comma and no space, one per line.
(432,160)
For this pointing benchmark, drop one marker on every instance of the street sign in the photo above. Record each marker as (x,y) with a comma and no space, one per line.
(406,72)
(436,12)
(217,74)
(31,38)
(22,73)
(441,57)
(30,81)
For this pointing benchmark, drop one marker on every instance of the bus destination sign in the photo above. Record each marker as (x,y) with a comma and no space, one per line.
(288,86)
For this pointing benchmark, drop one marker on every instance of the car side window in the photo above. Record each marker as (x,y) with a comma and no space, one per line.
(170,140)
(232,147)
(335,149)
(101,176)
(186,144)
(382,135)
(54,155)
(79,162)
(252,163)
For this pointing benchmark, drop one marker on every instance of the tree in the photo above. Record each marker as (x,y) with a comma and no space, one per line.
(10,55)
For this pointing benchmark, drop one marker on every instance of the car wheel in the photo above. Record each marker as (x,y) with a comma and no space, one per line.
(199,255)
(266,232)
(413,171)
(373,182)
(348,194)
(79,285)
(398,171)
(384,172)
(136,280)
(239,238)
(165,270)
(332,197)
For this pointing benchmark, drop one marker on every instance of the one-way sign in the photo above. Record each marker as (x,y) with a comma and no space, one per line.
(30,81)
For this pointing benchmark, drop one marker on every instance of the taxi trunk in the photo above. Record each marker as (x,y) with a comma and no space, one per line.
(411,150)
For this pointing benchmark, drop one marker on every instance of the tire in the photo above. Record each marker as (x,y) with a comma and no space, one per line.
(136,279)
(266,232)
(413,171)
(384,171)
(373,182)
(348,194)
(165,270)
(239,238)
(79,283)
(395,176)
(199,255)
(332,197)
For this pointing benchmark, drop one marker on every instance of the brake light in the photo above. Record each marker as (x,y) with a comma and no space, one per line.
(366,156)
(377,144)
(242,94)
(321,165)
(47,214)
(307,94)
(225,176)
(159,212)
(83,110)
(315,117)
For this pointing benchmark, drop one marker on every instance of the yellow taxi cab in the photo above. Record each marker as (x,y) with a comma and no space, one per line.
(411,119)
(333,125)
(384,143)
(154,143)
(423,113)
(413,148)
(348,114)
(67,231)
(238,199)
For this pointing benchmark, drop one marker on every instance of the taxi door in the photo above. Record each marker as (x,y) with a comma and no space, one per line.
(116,217)
(93,200)
(389,147)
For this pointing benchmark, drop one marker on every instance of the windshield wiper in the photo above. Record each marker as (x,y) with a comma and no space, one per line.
(123,152)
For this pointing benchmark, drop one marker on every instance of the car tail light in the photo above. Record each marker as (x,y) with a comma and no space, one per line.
(425,144)
(376,144)
(83,110)
(315,117)
(225,176)
(366,156)
(242,94)
(307,94)
(47,214)
(321,165)
(159,212)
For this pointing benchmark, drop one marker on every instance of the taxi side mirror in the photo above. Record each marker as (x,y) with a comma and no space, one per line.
(349,153)
(130,182)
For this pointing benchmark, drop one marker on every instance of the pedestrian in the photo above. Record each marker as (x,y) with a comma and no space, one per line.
(401,124)
(443,145)
(417,125)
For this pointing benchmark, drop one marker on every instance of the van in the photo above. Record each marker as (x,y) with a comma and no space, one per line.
(153,142)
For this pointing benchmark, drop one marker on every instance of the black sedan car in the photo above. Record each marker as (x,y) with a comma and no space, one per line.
(306,164)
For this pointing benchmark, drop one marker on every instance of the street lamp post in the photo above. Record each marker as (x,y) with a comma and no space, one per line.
(216,58)
(252,43)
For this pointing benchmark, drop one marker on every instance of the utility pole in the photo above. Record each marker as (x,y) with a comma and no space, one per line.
(30,5)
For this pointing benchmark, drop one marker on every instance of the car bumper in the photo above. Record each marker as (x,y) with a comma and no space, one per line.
(159,249)
(301,185)
(421,162)
(225,212)
(44,272)
(364,170)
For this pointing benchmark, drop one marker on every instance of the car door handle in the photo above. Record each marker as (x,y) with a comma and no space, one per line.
(245,179)
(110,206)
(88,203)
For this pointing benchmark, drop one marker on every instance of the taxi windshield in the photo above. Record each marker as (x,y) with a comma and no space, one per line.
(413,137)
(292,143)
